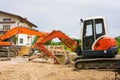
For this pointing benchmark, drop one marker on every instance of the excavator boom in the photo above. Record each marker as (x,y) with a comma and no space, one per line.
(20,30)
(61,36)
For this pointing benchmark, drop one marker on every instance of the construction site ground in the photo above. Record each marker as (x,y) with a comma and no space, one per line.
(20,69)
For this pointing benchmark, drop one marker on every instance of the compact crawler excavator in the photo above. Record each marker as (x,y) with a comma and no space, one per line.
(98,49)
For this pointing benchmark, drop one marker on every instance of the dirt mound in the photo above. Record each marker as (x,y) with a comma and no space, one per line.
(25,50)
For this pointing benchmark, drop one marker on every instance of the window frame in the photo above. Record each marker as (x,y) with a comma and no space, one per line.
(21,40)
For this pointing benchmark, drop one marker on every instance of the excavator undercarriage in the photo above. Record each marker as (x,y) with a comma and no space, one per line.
(97,63)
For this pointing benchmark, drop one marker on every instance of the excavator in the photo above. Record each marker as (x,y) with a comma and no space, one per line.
(98,49)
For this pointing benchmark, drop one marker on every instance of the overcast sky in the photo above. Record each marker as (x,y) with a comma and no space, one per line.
(65,15)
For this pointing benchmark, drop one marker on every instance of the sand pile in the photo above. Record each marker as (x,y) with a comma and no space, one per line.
(25,50)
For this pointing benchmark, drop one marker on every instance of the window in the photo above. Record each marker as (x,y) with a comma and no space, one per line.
(21,40)
(6,27)
(88,30)
(7,19)
(99,26)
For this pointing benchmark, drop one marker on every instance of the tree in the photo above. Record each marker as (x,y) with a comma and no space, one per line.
(15,39)
(118,43)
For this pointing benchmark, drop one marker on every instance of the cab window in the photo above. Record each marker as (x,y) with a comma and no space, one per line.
(88,31)
(99,26)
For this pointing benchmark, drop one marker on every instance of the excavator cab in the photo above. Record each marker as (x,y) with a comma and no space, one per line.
(92,29)
(95,40)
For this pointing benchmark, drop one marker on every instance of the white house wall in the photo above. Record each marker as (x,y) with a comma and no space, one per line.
(2,16)
(26,40)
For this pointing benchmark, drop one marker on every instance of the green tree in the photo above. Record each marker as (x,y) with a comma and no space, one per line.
(15,39)
(118,43)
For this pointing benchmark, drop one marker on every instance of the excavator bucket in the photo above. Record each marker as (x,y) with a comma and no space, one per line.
(61,54)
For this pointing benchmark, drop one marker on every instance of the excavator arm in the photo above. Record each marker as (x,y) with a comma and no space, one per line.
(18,30)
(44,37)
(61,36)
(55,34)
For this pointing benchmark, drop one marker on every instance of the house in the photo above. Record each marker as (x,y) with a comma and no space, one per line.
(9,21)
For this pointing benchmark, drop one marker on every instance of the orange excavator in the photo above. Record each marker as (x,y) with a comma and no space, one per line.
(98,49)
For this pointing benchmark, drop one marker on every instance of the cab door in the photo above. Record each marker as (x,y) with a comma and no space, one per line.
(88,34)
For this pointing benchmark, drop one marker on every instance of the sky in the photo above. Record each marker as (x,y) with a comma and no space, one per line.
(65,15)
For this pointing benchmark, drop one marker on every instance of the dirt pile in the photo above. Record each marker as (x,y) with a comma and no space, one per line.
(25,50)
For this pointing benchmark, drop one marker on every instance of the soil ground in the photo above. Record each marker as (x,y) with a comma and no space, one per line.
(20,69)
